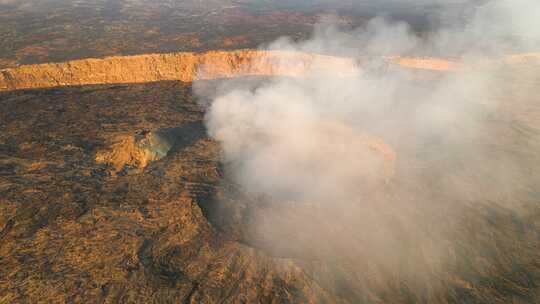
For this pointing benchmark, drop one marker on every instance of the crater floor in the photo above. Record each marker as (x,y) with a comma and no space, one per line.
(75,229)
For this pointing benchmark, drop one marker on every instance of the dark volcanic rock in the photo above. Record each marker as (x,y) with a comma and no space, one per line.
(75,232)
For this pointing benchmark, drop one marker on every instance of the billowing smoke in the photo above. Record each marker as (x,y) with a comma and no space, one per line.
(378,168)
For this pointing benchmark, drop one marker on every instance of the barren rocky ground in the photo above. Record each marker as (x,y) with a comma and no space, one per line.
(76,230)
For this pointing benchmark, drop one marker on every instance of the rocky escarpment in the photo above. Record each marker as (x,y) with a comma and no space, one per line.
(184,67)
(188,67)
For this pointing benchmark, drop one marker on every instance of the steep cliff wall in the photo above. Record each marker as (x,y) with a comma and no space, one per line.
(175,66)
(433,64)
(211,65)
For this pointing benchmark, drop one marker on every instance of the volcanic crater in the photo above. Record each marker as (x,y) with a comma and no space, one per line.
(112,191)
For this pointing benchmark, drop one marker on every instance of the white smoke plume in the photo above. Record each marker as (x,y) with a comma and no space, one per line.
(365,168)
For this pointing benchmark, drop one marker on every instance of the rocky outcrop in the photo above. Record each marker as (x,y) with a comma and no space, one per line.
(134,151)
(129,153)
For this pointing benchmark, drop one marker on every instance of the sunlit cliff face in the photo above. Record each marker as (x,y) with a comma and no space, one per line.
(189,67)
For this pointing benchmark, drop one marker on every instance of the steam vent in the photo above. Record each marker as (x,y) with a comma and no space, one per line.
(250,151)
